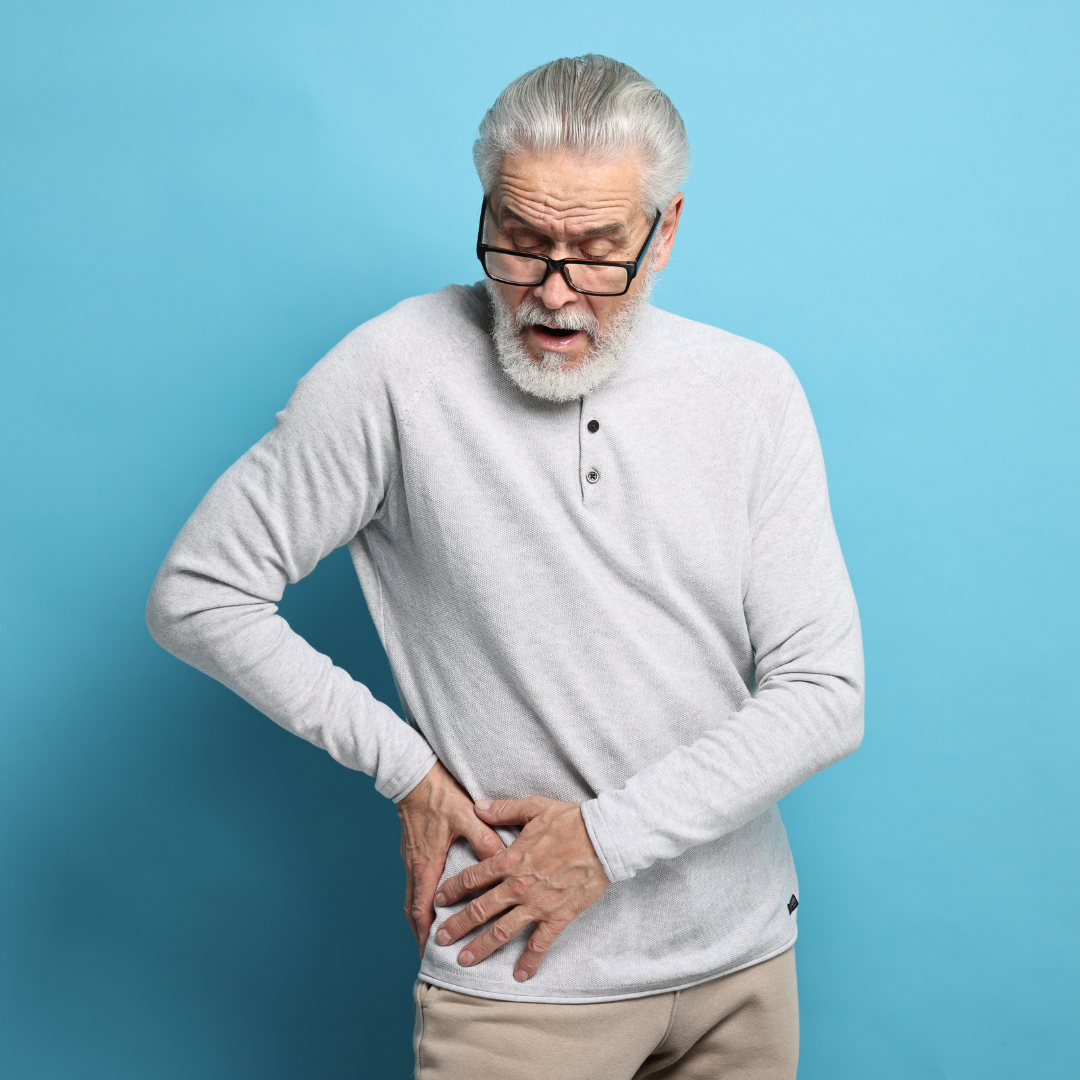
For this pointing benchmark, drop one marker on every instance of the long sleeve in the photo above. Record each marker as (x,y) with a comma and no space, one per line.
(308,487)
(807,711)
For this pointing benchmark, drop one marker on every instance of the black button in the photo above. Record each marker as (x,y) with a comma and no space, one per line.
(592,476)
(594,426)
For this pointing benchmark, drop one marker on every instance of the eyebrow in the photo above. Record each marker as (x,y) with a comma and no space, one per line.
(599,230)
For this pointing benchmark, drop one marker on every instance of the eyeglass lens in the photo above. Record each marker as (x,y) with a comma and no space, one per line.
(525,270)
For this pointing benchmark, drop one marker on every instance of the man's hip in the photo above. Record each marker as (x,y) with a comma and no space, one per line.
(741,1025)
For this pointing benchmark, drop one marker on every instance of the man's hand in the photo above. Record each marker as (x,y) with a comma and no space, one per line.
(433,815)
(549,875)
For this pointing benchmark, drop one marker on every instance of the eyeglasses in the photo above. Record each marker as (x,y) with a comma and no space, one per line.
(582,275)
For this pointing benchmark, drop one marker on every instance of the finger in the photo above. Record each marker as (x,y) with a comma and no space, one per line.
(510,811)
(409,890)
(484,840)
(538,947)
(422,908)
(409,915)
(495,937)
(476,913)
(472,879)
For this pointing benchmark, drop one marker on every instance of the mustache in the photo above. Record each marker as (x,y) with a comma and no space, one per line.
(531,312)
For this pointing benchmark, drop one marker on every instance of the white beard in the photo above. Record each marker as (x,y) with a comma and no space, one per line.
(546,378)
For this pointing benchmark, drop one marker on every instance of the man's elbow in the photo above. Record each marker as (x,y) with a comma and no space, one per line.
(165,614)
(847,726)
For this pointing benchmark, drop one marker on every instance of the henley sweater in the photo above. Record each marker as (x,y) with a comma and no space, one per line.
(634,601)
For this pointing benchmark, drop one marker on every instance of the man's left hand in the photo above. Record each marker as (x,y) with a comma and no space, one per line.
(549,875)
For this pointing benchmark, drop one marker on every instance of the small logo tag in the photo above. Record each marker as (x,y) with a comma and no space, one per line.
(792,904)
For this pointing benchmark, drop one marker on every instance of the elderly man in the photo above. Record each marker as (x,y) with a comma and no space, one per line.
(595,539)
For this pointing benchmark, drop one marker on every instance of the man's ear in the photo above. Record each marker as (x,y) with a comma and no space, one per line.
(669,226)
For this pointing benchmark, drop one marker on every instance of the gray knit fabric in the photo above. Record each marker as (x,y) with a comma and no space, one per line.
(652,619)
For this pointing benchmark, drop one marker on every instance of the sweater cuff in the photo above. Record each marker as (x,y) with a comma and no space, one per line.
(408,759)
(415,777)
(607,851)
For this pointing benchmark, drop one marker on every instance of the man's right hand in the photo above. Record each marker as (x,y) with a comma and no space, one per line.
(433,815)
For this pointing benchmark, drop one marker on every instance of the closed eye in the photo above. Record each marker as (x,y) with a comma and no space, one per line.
(530,243)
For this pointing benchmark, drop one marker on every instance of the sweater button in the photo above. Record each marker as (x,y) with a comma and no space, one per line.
(592,476)
(594,426)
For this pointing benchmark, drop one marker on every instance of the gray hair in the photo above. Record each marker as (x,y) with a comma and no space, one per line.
(596,107)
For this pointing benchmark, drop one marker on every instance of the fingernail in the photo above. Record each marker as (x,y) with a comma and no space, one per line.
(440,899)
(483,804)
(443,937)
(520,975)
(465,957)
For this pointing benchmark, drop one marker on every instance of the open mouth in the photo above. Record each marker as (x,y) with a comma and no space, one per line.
(554,337)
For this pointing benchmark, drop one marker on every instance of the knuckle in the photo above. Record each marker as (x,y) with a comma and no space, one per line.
(516,886)
(475,911)
(502,934)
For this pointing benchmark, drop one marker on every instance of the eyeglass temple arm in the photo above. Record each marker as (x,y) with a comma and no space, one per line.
(644,247)
(480,230)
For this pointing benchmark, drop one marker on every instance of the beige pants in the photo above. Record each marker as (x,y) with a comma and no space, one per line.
(737,1027)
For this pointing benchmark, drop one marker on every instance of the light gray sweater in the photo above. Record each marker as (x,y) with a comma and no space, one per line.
(652,619)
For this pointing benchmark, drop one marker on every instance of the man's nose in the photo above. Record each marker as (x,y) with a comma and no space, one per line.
(554,293)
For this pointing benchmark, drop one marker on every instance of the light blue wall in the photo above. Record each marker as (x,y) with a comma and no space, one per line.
(197,200)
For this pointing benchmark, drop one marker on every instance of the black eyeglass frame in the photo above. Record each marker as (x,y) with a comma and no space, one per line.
(560,265)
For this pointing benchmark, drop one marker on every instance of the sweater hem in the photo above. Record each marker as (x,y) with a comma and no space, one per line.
(577,997)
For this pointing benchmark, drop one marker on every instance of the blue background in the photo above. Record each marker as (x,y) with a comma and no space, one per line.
(199,199)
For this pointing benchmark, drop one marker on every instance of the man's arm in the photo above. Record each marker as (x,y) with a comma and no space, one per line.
(806,714)
(306,488)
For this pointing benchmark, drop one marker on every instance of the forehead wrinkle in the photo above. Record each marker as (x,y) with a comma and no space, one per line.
(613,229)
(565,217)
(542,197)
(568,197)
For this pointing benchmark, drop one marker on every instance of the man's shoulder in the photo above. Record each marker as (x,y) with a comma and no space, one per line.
(455,309)
(418,331)
(397,351)
(735,366)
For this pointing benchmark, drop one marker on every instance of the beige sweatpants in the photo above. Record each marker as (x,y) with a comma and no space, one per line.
(737,1027)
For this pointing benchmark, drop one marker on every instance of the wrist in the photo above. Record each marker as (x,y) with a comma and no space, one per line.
(419,792)
(593,821)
